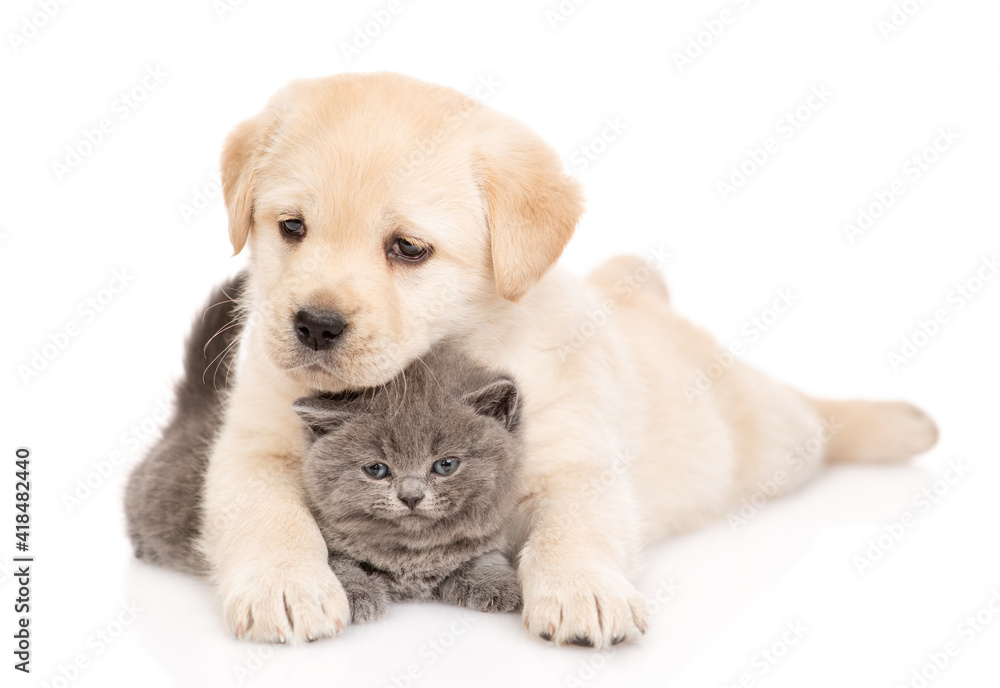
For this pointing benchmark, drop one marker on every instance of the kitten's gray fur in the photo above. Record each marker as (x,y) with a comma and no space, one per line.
(450,545)
(163,495)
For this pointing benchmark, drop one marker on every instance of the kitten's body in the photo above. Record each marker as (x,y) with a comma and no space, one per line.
(164,492)
(413,534)
(451,542)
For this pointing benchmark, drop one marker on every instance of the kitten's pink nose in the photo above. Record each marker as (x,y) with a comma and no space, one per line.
(411,501)
(411,491)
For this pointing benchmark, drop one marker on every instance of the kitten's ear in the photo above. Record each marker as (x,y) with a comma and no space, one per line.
(321,415)
(498,399)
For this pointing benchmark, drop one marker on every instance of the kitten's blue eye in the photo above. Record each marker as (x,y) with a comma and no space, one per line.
(445,466)
(376,470)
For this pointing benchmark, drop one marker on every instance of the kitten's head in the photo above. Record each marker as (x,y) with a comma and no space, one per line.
(432,456)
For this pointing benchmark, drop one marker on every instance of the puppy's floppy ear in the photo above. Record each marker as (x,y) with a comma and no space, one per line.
(240,159)
(533,205)
(499,400)
(322,415)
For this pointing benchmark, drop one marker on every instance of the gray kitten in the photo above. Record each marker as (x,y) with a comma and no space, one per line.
(412,484)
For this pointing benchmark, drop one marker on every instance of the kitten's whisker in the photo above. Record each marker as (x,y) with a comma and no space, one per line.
(229,299)
(220,357)
(402,399)
(431,373)
(231,324)
(235,322)
(229,367)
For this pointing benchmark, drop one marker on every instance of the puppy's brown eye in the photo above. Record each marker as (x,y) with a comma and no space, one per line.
(293,228)
(407,250)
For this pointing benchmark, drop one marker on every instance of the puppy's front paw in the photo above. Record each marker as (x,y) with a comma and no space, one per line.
(595,606)
(292,602)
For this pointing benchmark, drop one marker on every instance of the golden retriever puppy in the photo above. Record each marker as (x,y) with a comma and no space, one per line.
(385,214)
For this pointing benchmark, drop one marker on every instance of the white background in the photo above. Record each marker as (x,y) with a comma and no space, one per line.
(120,208)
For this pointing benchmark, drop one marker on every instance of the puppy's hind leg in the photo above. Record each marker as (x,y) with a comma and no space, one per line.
(622,277)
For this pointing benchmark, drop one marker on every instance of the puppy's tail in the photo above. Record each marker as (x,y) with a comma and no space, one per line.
(874,431)
(211,346)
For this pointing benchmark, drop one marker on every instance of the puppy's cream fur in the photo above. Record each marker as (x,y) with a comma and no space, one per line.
(366,158)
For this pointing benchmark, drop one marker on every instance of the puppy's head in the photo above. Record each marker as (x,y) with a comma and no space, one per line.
(384,214)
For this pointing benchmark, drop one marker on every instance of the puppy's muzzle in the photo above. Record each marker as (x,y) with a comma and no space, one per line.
(318,330)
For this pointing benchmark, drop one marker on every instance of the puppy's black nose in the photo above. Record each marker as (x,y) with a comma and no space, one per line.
(318,329)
